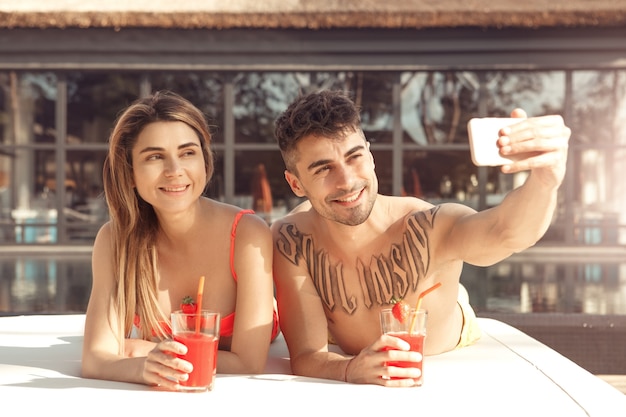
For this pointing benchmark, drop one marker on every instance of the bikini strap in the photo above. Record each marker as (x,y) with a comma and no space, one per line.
(233,233)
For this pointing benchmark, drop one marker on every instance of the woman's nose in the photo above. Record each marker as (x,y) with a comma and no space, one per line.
(173,167)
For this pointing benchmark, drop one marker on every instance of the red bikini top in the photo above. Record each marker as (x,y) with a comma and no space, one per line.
(227,323)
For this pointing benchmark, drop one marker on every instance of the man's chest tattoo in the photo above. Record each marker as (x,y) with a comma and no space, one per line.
(381,277)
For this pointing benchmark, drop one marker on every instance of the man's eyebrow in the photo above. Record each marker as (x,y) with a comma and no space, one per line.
(321,162)
(316,164)
(159,149)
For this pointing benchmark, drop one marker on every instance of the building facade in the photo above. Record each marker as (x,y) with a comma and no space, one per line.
(418,73)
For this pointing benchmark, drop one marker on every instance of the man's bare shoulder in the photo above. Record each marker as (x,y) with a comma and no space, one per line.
(402,207)
(302,207)
(403,203)
(399,208)
(300,217)
(405,213)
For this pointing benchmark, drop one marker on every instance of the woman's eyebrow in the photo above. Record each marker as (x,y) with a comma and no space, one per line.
(160,149)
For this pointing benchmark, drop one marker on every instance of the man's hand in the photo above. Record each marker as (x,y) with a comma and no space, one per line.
(369,366)
(540,144)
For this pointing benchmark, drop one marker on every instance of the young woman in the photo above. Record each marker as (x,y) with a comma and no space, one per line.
(163,235)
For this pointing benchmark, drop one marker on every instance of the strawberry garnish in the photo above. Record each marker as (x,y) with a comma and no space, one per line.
(188,306)
(400,309)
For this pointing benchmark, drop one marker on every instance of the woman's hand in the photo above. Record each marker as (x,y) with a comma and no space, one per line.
(163,368)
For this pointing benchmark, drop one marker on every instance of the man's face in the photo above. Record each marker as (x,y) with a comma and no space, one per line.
(337,176)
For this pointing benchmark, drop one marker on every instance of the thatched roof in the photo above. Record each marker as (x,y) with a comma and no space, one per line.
(310,14)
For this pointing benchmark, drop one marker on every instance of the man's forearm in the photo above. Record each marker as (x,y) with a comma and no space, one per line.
(325,365)
(527,211)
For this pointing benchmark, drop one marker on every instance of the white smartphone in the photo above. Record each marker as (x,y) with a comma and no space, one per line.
(483,135)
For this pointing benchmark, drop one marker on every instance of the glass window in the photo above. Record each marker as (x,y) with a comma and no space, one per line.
(598,156)
(437,105)
(94,102)
(261,97)
(27,156)
(27,103)
(447,175)
(598,101)
(85,208)
(373,94)
(384,168)
(261,185)
(538,93)
(204,90)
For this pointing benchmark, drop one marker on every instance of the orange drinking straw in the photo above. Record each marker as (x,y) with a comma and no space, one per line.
(199,303)
(419,303)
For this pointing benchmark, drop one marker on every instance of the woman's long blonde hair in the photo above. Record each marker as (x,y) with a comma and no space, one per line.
(134,224)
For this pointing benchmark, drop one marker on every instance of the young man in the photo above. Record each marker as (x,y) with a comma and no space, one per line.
(343,255)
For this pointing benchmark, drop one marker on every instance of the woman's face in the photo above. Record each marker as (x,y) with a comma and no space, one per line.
(168,166)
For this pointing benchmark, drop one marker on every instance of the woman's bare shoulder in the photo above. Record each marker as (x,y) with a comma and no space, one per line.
(249,223)
(104,235)
(103,255)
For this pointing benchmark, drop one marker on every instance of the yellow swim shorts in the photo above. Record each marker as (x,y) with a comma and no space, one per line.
(470,332)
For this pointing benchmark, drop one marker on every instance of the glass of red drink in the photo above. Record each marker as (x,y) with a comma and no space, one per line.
(412,330)
(200,333)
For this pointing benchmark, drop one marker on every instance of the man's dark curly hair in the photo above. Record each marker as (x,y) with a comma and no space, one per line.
(324,113)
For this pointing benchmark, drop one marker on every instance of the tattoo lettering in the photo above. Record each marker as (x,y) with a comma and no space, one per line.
(328,279)
(385,276)
(289,243)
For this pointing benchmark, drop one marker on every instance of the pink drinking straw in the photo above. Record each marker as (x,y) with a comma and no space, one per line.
(199,303)
(419,303)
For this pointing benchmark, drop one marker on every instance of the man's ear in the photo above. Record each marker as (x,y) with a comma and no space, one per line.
(370,152)
(294,183)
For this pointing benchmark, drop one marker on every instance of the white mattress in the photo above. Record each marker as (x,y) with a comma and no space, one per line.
(507,373)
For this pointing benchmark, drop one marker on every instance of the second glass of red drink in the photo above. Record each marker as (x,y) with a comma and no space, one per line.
(411,329)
